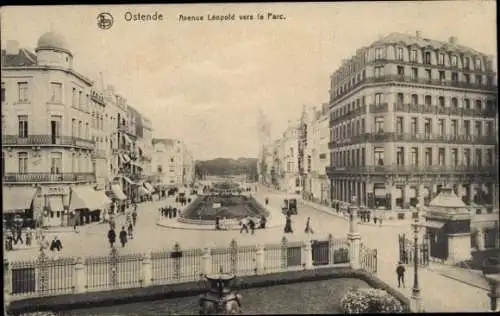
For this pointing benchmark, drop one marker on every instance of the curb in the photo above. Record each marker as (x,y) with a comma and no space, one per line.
(205,227)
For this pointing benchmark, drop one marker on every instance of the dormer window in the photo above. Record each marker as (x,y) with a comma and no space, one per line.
(454,60)
(399,53)
(467,63)
(478,63)
(441,59)
(413,55)
(427,58)
(379,53)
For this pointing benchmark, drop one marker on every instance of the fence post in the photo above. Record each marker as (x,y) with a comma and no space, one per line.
(113,265)
(177,261)
(79,271)
(7,284)
(147,270)
(284,253)
(43,271)
(331,249)
(353,236)
(206,260)
(259,260)
(234,256)
(307,253)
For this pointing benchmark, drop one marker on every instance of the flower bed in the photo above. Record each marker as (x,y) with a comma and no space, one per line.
(369,300)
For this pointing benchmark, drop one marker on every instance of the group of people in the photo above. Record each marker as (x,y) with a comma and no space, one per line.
(288,225)
(127,231)
(170,212)
(15,236)
(249,223)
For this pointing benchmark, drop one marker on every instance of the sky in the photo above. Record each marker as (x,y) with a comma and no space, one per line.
(204,82)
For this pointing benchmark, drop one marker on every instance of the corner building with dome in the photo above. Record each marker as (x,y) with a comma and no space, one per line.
(48,148)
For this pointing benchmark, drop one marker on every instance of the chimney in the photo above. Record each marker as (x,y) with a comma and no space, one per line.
(12,47)
(419,34)
(453,39)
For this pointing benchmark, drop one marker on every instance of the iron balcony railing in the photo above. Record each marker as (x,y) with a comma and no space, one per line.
(412,169)
(99,153)
(14,177)
(46,140)
(409,137)
(416,80)
(434,109)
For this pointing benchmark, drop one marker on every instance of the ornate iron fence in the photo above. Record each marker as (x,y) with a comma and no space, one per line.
(368,259)
(272,258)
(221,260)
(407,248)
(98,276)
(330,251)
(247,260)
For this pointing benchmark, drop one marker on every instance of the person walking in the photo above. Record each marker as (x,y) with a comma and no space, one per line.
(308,229)
(175,212)
(111,237)
(29,237)
(400,272)
(130,231)
(244,225)
(123,236)
(251,224)
(380,221)
(288,224)
(134,217)
(56,244)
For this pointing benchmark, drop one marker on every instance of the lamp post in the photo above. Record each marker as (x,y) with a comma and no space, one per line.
(416,293)
(491,272)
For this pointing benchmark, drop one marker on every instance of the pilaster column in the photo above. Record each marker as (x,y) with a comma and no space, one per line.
(259,260)
(480,239)
(147,270)
(420,194)
(472,193)
(353,236)
(80,279)
(406,196)
(393,190)
(308,263)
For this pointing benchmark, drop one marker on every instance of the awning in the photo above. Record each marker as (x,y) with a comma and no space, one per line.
(117,192)
(55,203)
(128,180)
(433,224)
(125,158)
(127,138)
(149,186)
(87,197)
(17,198)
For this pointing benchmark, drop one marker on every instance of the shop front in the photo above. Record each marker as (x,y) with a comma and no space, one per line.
(88,205)
(56,202)
(117,197)
(17,202)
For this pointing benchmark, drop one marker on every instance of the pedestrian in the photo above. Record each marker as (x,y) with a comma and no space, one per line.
(263,222)
(308,227)
(267,201)
(375,219)
(18,236)
(368,216)
(170,213)
(380,221)
(29,236)
(244,225)
(111,237)
(134,217)
(130,231)
(288,224)
(251,224)
(44,243)
(400,272)
(175,212)
(123,236)
(56,244)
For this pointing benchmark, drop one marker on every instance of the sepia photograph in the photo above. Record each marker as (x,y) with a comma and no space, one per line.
(250,158)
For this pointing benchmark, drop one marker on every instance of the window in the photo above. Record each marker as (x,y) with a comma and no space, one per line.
(428,100)
(454,157)
(74,131)
(414,73)
(55,126)
(399,53)
(362,127)
(467,78)
(23,125)
(379,156)
(454,60)
(379,53)
(413,126)
(428,156)
(467,128)
(479,80)
(80,99)
(22,88)
(454,103)
(73,97)
(363,100)
(467,63)
(291,152)
(399,125)
(379,124)
(479,158)
(489,129)
(378,98)
(400,156)
(428,74)
(478,63)
(489,157)
(23,162)
(401,70)
(441,59)
(467,157)
(428,127)
(441,127)
(454,77)
(413,55)
(414,99)
(442,102)
(441,157)
(80,131)
(2,92)
(56,92)
(477,128)
(454,128)
(427,58)
(466,103)
(86,130)
(400,99)
(442,76)
(379,71)
(414,156)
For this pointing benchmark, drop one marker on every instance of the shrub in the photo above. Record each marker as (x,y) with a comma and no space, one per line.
(368,300)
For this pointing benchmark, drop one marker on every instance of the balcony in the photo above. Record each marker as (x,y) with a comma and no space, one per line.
(37,177)
(412,170)
(434,109)
(379,108)
(47,140)
(350,115)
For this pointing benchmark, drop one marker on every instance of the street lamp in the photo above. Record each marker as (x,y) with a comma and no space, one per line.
(416,294)
(491,272)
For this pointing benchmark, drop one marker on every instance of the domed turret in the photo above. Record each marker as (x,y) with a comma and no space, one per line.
(52,50)
(52,41)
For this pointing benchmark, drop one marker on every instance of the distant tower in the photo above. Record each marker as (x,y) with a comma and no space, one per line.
(263,129)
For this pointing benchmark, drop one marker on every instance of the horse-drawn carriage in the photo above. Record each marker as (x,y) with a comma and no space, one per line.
(289,207)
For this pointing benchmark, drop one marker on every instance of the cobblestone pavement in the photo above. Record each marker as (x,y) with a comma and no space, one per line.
(440,294)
